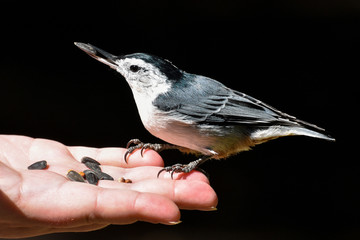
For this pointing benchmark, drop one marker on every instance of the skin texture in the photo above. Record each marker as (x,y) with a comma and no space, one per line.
(36,202)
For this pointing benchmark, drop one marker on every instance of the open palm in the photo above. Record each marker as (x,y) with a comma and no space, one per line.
(35,202)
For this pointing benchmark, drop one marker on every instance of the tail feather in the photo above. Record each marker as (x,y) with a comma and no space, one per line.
(276,131)
(312,133)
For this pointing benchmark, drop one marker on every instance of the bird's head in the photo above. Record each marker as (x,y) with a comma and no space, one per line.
(146,74)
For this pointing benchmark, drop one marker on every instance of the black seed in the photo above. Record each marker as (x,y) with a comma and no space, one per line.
(89,159)
(93,166)
(91,177)
(38,165)
(105,176)
(75,176)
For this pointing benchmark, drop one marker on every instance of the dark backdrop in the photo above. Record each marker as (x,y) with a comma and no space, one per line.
(301,57)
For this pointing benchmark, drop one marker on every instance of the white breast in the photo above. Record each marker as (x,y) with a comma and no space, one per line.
(146,110)
(171,130)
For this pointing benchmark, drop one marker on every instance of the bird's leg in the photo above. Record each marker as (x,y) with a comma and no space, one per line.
(185,168)
(143,146)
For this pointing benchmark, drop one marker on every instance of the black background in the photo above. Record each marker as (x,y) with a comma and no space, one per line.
(300,56)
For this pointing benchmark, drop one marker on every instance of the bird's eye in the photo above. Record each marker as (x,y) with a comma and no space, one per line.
(134,68)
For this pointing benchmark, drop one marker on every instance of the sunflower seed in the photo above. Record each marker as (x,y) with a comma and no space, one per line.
(89,159)
(93,166)
(38,165)
(105,176)
(91,177)
(75,176)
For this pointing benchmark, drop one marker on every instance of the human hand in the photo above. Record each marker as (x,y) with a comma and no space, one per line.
(35,202)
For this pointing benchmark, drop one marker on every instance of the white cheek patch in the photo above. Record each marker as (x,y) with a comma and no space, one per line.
(124,67)
(148,80)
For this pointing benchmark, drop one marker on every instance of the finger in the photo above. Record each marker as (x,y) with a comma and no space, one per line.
(149,172)
(193,175)
(77,204)
(131,206)
(187,195)
(84,228)
(195,195)
(115,156)
(51,151)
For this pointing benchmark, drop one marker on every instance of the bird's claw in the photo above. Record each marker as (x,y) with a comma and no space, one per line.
(176,168)
(146,146)
(130,150)
(133,141)
(180,168)
(142,146)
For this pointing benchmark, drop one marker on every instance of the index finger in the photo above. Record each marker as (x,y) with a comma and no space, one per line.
(115,156)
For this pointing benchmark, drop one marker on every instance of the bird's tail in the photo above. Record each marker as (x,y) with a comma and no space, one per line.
(276,131)
(312,133)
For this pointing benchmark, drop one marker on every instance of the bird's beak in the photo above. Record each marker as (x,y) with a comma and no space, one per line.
(98,54)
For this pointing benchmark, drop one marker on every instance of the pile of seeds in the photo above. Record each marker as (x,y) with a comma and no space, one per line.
(91,175)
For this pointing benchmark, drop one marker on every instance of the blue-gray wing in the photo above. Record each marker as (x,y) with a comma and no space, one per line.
(204,100)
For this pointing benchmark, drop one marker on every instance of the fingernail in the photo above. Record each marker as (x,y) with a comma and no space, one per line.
(212,209)
(174,223)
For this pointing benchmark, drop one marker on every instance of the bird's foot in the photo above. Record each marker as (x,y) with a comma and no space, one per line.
(185,168)
(143,146)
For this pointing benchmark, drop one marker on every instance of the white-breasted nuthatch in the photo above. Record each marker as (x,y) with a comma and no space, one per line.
(197,114)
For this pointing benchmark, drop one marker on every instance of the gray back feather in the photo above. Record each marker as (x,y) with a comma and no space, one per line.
(206,101)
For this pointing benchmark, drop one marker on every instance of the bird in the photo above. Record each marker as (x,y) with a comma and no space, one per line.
(197,114)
